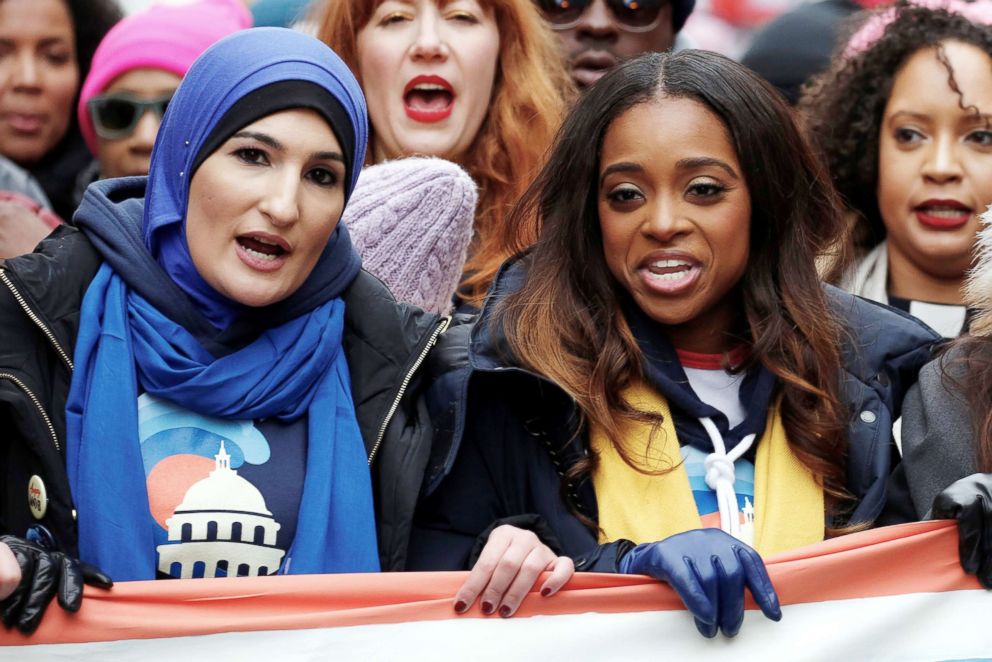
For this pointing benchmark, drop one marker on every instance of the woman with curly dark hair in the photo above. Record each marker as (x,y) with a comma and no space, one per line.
(662,385)
(45,51)
(903,119)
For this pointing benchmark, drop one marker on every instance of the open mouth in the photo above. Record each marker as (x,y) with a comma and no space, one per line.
(670,276)
(667,270)
(262,253)
(943,214)
(428,99)
(262,249)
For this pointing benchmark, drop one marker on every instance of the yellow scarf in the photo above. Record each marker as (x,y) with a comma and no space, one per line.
(645,507)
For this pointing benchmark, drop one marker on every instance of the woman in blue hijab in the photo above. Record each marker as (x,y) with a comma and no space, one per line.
(197,381)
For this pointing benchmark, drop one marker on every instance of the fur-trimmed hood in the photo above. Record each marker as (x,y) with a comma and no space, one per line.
(978,286)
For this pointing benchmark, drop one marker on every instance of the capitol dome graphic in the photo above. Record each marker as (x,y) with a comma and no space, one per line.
(221,527)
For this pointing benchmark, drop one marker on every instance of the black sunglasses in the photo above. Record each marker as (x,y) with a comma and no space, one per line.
(631,15)
(116,115)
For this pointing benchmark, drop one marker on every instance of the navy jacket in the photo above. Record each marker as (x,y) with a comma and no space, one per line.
(512,438)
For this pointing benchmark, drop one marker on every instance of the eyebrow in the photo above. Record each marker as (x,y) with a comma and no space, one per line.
(266,139)
(681,164)
(921,117)
(56,40)
(705,162)
(623,166)
(970,118)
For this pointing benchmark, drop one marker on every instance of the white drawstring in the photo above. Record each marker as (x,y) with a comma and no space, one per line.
(720,476)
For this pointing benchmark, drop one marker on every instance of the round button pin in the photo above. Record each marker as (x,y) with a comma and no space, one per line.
(37,497)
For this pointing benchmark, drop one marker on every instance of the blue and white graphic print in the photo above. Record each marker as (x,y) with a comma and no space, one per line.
(705,498)
(211,488)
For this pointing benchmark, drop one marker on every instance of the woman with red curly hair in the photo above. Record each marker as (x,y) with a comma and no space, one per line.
(478,82)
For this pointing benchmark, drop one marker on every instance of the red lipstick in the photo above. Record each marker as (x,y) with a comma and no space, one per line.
(428,99)
(943,214)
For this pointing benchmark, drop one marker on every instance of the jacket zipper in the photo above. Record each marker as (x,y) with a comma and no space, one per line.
(441,328)
(37,403)
(37,320)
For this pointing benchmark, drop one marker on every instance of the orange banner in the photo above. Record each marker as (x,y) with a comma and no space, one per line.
(911,558)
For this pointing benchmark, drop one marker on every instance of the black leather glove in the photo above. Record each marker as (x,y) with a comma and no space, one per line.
(969,501)
(44,575)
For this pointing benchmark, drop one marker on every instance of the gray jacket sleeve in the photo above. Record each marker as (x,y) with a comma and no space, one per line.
(16,179)
(938,439)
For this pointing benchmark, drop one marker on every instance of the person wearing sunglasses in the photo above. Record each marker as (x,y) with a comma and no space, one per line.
(135,71)
(598,34)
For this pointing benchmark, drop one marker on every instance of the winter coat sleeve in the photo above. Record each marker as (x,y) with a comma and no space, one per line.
(938,438)
(497,473)
(468,501)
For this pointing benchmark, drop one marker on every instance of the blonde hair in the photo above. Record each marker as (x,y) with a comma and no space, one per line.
(526,109)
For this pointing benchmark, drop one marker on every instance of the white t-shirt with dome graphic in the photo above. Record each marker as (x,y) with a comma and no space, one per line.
(224,503)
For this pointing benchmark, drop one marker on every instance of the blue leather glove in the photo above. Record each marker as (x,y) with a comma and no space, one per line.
(709,570)
(969,501)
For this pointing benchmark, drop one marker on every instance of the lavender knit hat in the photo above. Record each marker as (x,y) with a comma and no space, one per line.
(411,221)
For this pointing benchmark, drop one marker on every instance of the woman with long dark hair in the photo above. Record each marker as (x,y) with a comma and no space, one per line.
(665,359)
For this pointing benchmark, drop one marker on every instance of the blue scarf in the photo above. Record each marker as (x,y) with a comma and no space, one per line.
(295,368)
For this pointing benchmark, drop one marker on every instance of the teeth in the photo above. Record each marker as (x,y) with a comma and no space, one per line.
(675,275)
(259,255)
(670,264)
(946,212)
(265,241)
(430,87)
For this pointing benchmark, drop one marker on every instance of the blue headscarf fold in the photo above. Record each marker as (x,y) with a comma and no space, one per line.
(298,368)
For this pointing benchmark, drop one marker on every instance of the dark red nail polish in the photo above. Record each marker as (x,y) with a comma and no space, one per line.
(487,608)
(460,606)
(545,592)
(504,611)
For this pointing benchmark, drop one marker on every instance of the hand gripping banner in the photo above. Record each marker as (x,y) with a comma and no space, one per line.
(892,593)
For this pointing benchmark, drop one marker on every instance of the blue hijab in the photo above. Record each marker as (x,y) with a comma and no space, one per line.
(296,368)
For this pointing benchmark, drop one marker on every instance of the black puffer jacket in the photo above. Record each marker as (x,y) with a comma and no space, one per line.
(505,455)
(386,343)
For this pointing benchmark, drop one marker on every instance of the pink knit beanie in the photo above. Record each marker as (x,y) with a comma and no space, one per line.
(411,221)
(164,36)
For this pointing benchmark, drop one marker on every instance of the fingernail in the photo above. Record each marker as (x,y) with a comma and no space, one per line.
(460,606)
(545,592)
(505,611)
(487,608)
